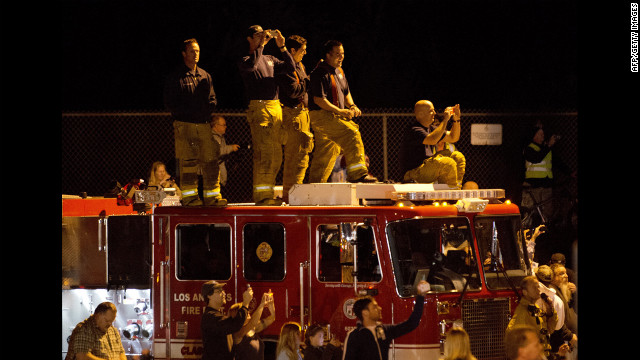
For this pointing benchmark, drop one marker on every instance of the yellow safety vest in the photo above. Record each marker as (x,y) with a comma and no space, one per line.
(539,170)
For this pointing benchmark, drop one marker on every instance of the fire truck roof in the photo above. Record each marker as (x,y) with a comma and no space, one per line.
(358,194)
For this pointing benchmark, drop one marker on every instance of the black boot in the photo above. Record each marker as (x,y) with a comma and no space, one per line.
(365,179)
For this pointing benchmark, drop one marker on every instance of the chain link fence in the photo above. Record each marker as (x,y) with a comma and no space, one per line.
(100,148)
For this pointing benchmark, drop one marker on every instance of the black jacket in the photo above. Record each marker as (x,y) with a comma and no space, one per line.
(189,95)
(361,344)
(215,328)
(327,352)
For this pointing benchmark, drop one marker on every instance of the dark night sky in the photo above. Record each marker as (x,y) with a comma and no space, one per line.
(482,54)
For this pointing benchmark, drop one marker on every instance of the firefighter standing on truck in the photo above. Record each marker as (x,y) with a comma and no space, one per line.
(264,114)
(294,96)
(331,111)
(189,96)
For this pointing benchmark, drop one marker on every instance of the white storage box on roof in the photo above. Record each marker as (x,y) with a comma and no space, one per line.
(325,194)
(348,194)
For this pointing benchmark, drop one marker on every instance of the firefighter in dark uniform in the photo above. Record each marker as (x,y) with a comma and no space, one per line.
(331,111)
(264,114)
(189,96)
(293,88)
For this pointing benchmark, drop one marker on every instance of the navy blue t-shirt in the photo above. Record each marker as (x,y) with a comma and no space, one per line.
(294,87)
(258,73)
(321,85)
(412,150)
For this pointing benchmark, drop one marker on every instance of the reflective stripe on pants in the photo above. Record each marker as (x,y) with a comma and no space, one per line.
(332,133)
(197,152)
(265,121)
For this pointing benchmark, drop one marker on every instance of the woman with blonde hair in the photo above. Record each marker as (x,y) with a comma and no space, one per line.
(160,178)
(457,345)
(289,342)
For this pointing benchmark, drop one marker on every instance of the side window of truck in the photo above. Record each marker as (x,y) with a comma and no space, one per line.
(335,256)
(203,251)
(329,267)
(264,251)
(438,250)
(503,248)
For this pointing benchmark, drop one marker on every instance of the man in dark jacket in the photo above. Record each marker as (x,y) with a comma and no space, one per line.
(371,339)
(217,327)
(189,96)
(293,90)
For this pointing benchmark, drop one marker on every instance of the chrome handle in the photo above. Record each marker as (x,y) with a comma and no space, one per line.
(101,222)
(302,266)
(163,265)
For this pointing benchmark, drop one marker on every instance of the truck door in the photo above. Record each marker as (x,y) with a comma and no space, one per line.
(273,254)
(188,250)
(333,282)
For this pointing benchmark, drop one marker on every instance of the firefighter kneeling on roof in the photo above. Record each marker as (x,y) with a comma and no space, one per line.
(371,339)
(427,152)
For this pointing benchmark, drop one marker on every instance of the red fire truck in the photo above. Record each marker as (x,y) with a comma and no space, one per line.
(331,244)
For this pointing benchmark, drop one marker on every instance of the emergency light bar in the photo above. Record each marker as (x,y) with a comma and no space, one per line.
(441,195)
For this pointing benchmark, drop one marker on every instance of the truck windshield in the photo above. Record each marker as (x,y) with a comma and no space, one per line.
(502,247)
(439,250)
